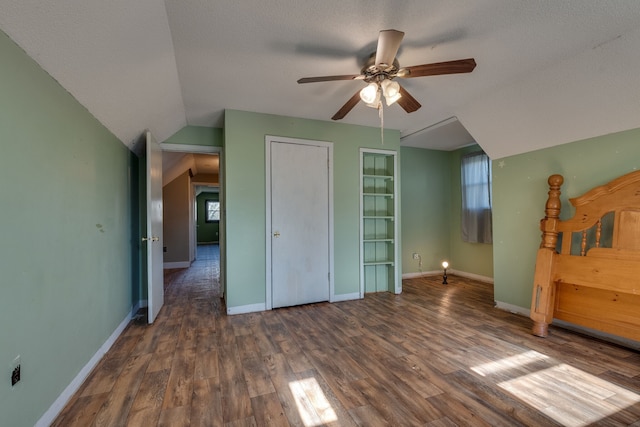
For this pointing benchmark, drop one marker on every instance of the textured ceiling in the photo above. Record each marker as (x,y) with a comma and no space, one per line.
(549,72)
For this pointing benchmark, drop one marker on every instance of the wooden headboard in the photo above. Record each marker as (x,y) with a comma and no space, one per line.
(588,267)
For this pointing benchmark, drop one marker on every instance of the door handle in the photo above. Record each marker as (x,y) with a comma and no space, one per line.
(150,239)
(276,234)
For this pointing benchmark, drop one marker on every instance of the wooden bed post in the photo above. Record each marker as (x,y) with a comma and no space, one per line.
(542,300)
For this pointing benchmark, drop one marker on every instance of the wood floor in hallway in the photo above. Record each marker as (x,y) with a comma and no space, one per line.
(436,355)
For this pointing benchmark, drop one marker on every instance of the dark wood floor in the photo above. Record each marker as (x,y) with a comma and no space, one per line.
(433,356)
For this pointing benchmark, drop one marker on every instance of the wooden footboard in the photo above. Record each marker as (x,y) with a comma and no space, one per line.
(588,267)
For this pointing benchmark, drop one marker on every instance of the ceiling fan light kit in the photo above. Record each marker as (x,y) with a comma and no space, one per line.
(370,95)
(391,91)
(380,71)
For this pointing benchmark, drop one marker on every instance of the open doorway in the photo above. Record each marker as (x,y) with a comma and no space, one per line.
(193,242)
(207,225)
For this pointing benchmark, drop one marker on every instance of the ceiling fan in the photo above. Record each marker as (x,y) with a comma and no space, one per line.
(380,70)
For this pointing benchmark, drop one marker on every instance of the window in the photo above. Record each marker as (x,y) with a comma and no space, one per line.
(476,198)
(212,210)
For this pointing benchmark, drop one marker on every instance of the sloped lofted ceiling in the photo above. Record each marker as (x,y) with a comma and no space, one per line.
(549,72)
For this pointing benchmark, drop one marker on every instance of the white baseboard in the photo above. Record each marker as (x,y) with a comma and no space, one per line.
(242,309)
(473,276)
(421,274)
(179,264)
(252,308)
(513,308)
(345,297)
(453,272)
(58,405)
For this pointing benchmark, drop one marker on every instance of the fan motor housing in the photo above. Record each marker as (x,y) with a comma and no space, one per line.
(377,72)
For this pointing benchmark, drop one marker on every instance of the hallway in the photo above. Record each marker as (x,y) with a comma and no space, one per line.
(204,272)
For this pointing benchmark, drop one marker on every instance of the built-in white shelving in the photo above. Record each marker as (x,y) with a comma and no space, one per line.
(379,265)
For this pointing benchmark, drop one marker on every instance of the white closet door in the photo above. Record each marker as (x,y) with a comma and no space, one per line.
(299,223)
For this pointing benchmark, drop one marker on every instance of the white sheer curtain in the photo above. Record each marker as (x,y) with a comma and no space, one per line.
(476,198)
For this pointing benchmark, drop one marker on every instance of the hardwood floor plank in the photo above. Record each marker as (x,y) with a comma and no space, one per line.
(432,356)
(282,376)
(116,408)
(180,385)
(206,403)
(412,378)
(144,417)
(298,361)
(268,411)
(459,413)
(160,361)
(329,408)
(247,346)
(442,422)
(368,416)
(236,403)
(257,377)
(394,411)
(175,417)
(206,364)
(245,422)
(152,390)
(103,377)
(81,411)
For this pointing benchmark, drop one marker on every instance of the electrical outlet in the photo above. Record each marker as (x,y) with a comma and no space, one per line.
(416,255)
(15,371)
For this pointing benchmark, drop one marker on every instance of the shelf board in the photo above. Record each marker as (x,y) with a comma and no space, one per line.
(378,194)
(378,263)
(376,217)
(378,176)
(377,240)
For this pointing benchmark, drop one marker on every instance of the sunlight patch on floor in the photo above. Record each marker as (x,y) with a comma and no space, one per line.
(313,406)
(509,363)
(570,396)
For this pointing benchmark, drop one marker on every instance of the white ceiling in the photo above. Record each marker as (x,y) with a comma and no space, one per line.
(549,72)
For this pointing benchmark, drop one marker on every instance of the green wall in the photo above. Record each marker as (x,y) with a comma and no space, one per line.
(244,190)
(66,256)
(426,201)
(431,213)
(475,258)
(520,193)
(207,231)
(197,135)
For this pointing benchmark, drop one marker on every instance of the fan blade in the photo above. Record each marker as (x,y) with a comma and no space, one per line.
(438,68)
(388,45)
(347,107)
(408,102)
(330,78)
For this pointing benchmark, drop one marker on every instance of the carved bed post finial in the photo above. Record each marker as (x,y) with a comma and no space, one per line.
(552,208)
(552,213)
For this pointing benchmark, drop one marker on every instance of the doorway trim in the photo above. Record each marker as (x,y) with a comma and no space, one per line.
(269,139)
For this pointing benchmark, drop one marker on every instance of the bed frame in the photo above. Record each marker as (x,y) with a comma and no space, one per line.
(588,267)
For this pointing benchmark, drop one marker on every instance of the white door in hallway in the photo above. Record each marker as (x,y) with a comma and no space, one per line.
(153,238)
(299,231)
